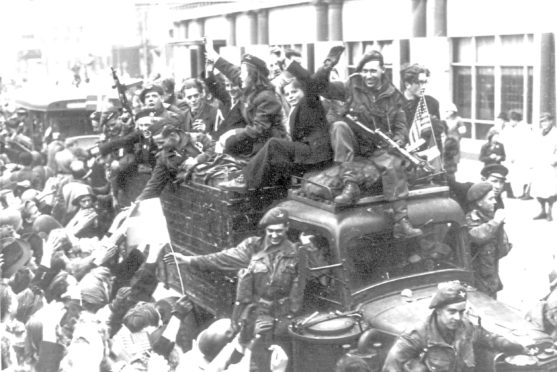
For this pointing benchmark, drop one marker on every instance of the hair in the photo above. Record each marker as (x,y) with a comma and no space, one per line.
(410,74)
(492,132)
(352,363)
(168,85)
(25,158)
(256,82)
(515,115)
(164,307)
(28,302)
(142,315)
(295,84)
(57,287)
(21,280)
(6,298)
(374,55)
(191,84)
(503,116)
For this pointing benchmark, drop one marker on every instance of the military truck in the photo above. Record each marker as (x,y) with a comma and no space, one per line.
(371,289)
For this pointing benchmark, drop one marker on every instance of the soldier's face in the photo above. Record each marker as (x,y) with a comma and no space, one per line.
(450,316)
(497,182)
(487,203)
(372,72)
(153,100)
(276,234)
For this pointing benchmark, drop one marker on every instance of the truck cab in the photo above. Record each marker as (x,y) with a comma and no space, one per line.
(371,286)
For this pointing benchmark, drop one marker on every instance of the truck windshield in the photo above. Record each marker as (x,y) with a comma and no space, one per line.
(374,258)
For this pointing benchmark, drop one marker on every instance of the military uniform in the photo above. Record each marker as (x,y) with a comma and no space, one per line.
(410,349)
(170,162)
(488,243)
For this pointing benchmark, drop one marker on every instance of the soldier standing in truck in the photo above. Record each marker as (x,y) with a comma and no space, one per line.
(373,99)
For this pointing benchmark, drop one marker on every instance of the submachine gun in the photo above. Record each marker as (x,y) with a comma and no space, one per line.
(121,88)
(393,146)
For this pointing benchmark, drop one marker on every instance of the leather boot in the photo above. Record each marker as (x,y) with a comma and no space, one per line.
(350,194)
(402,228)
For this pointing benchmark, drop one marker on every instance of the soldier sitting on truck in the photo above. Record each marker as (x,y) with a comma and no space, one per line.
(446,340)
(372,98)
(180,152)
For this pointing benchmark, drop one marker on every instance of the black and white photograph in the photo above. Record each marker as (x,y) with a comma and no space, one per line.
(278,186)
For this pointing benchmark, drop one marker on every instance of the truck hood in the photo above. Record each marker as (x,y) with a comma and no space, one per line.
(396,313)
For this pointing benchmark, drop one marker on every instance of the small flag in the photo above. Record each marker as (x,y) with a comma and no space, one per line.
(421,136)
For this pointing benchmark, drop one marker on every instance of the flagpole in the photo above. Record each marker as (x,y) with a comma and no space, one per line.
(177,268)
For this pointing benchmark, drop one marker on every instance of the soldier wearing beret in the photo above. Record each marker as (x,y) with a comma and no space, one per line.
(446,340)
(180,151)
(488,240)
(496,174)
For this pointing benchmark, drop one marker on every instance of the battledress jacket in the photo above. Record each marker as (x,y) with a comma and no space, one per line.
(411,345)
(381,110)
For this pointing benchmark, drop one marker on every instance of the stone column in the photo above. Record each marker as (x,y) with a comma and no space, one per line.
(231,39)
(252,25)
(418,18)
(335,20)
(436,19)
(263,27)
(547,73)
(321,20)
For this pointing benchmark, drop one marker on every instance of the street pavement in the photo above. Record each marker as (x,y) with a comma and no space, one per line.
(525,270)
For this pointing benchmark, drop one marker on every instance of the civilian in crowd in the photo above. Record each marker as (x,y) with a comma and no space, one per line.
(493,151)
(544,177)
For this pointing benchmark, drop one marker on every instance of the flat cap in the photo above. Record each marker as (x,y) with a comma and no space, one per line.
(448,293)
(258,63)
(274,216)
(478,191)
(497,170)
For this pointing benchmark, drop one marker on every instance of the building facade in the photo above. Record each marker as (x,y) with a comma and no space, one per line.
(486,56)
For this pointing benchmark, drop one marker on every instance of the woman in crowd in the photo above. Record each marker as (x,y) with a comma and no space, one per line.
(493,151)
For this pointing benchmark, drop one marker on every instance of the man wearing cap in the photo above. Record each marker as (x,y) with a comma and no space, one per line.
(377,104)
(261,108)
(488,240)
(446,340)
(152,98)
(180,152)
(495,174)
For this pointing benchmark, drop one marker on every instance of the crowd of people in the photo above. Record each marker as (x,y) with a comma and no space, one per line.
(75,296)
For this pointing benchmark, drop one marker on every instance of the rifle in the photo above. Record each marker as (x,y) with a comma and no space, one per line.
(121,88)
(413,159)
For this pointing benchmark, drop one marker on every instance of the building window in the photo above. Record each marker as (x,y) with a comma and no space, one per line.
(492,74)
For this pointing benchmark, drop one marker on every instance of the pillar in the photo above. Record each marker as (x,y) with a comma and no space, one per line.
(231,38)
(436,19)
(419,18)
(547,72)
(335,20)
(252,25)
(263,27)
(321,20)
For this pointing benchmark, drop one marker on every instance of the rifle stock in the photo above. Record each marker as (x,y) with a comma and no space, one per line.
(416,161)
